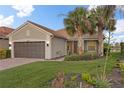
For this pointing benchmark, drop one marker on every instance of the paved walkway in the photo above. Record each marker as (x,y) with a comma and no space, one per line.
(116,78)
(13,62)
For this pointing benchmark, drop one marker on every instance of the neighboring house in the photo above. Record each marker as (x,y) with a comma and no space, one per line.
(116,47)
(4,41)
(32,40)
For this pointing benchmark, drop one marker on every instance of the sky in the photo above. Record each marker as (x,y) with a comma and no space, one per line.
(47,15)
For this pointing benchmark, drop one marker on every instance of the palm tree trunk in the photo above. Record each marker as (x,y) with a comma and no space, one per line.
(80,43)
(100,41)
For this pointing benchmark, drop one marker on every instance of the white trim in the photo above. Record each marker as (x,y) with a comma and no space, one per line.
(12,50)
(41,29)
(17,29)
(28,40)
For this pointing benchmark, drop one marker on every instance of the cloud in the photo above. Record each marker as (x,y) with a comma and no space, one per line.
(119,32)
(6,21)
(23,11)
(92,7)
(119,38)
(120,7)
(119,26)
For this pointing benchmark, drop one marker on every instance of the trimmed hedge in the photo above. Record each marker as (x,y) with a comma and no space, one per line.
(85,56)
(5,53)
(73,57)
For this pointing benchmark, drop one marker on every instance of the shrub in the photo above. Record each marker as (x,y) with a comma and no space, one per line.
(121,66)
(102,83)
(8,53)
(73,57)
(71,84)
(89,56)
(86,77)
(84,56)
(5,53)
(73,77)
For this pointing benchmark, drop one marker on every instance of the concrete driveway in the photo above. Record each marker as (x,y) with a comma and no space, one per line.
(13,62)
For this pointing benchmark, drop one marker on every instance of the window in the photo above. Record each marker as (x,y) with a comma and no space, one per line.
(91,46)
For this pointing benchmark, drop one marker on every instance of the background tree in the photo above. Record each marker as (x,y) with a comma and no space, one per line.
(102,15)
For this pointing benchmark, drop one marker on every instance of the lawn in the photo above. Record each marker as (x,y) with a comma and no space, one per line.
(39,73)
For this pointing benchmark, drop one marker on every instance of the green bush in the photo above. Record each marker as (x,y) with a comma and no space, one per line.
(73,57)
(102,83)
(121,65)
(73,77)
(8,53)
(84,56)
(5,53)
(86,77)
(88,56)
(71,84)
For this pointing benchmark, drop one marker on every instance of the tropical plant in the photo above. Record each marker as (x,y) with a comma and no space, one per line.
(110,28)
(102,83)
(78,22)
(86,77)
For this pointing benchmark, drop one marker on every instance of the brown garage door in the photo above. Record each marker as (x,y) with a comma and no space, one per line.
(29,49)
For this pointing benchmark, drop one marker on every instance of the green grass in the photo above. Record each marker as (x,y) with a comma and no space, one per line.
(39,73)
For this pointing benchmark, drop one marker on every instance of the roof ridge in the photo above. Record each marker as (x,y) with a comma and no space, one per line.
(47,29)
(40,25)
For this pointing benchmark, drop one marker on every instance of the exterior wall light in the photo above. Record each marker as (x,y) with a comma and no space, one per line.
(47,43)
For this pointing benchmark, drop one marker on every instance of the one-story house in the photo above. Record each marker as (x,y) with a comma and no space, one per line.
(32,40)
(4,41)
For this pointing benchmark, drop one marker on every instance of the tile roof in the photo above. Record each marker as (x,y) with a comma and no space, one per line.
(63,33)
(4,31)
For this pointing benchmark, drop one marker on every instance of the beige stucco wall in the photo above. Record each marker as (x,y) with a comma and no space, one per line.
(28,33)
(4,44)
(58,47)
(31,33)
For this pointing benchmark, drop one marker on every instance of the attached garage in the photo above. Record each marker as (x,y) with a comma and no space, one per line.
(29,49)
(32,40)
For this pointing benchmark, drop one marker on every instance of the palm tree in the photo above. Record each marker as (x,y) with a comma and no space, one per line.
(79,22)
(102,15)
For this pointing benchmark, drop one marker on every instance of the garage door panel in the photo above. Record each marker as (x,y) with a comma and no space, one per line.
(29,49)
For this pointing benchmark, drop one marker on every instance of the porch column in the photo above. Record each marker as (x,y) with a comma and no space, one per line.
(83,46)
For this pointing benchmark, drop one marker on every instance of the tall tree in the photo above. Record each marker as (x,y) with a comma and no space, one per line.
(79,22)
(102,15)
